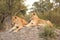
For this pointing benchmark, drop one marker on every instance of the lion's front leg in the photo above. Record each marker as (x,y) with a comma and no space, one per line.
(18,29)
(13,28)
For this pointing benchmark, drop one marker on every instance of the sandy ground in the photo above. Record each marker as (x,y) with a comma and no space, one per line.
(31,33)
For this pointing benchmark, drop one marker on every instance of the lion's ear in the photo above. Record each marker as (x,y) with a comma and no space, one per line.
(15,17)
(33,13)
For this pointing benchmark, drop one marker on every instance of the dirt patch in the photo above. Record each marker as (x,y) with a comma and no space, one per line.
(31,33)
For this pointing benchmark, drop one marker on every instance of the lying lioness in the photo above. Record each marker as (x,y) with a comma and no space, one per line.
(35,20)
(18,23)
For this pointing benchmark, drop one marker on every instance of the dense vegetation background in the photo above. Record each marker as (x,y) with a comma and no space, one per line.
(44,9)
(8,8)
(48,10)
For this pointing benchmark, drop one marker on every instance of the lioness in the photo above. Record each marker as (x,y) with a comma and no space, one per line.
(18,23)
(35,20)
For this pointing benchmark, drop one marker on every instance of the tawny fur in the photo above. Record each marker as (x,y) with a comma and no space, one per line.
(18,23)
(35,20)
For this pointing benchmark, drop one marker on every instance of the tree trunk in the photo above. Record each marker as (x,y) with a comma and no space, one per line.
(7,22)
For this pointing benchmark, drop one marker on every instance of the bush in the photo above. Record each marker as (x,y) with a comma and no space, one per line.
(2,28)
(48,33)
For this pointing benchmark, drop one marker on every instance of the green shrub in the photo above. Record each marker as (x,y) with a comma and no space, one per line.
(48,33)
(1,27)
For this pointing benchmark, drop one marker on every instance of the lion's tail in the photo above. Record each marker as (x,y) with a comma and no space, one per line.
(49,23)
